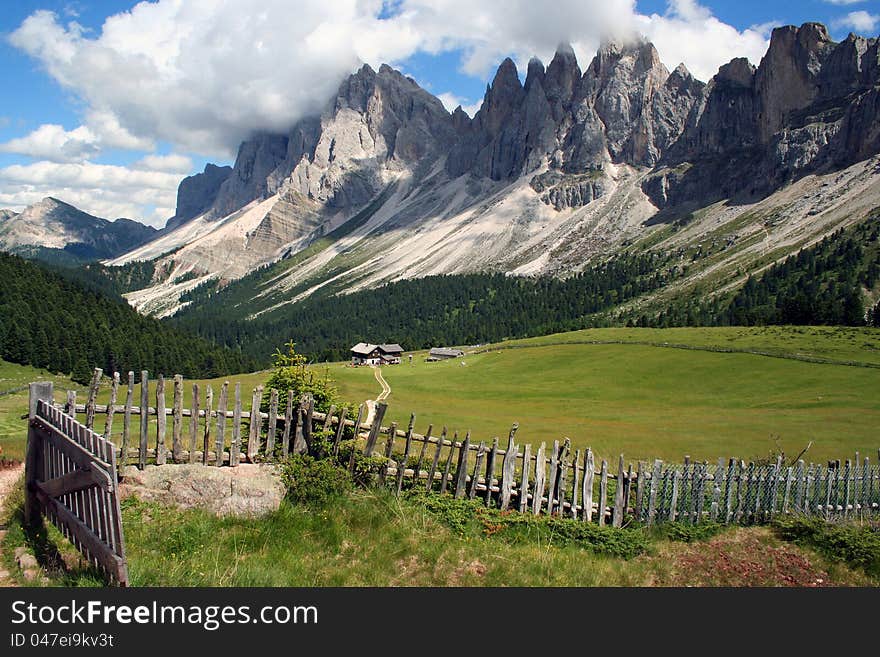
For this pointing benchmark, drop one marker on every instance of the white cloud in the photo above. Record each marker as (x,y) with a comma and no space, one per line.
(860,21)
(171,163)
(52,142)
(203,74)
(689,33)
(100,189)
(451,101)
(844,2)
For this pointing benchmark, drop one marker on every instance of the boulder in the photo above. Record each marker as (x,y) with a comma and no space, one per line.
(245,490)
(27,562)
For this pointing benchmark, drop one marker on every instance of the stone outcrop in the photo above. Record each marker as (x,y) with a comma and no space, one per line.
(569,191)
(245,490)
(810,106)
(197,193)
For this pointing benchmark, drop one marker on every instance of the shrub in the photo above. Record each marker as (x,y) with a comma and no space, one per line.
(472,517)
(857,544)
(290,371)
(365,468)
(314,481)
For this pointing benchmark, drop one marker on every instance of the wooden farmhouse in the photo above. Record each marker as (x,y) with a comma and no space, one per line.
(376,354)
(444,353)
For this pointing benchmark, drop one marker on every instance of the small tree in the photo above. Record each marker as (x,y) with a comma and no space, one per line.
(291,372)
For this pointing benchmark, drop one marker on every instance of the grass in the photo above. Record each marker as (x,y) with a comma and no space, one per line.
(646,393)
(650,401)
(372,538)
(14,380)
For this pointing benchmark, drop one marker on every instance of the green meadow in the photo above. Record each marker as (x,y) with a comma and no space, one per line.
(645,393)
(642,401)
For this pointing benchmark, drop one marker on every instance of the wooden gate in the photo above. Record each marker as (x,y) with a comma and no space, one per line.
(70,477)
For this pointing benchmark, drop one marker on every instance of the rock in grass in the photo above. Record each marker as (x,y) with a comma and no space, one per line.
(27,562)
(246,490)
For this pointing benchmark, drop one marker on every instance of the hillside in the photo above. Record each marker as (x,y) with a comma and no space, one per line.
(57,232)
(552,175)
(51,322)
(829,283)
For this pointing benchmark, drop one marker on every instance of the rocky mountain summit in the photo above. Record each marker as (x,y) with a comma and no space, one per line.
(553,170)
(54,226)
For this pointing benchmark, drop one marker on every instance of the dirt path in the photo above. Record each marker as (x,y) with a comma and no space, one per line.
(386,389)
(371,403)
(9,477)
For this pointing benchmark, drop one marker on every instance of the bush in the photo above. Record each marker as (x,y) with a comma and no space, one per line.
(365,468)
(472,517)
(857,544)
(290,371)
(314,481)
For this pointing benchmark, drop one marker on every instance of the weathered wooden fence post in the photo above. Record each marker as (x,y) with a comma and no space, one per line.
(587,488)
(619,497)
(523,501)
(111,407)
(145,418)
(93,396)
(508,464)
(126,422)
(373,436)
(461,471)
(41,391)
(603,492)
(177,420)
(255,423)
(161,451)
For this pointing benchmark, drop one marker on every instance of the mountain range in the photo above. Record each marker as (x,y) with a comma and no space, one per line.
(558,169)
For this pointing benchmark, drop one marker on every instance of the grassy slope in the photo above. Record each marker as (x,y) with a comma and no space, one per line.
(14,380)
(644,401)
(375,539)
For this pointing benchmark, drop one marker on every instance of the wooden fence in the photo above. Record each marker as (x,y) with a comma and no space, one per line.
(70,476)
(553,479)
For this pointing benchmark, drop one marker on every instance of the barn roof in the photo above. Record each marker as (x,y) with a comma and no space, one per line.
(446,351)
(393,348)
(363,349)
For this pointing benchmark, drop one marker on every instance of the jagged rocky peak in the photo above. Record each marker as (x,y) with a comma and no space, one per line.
(788,77)
(503,96)
(562,79)
(196,194)
(739,71)
(621,84)
(53,224)
(681,77)
(460,120)
(535,73)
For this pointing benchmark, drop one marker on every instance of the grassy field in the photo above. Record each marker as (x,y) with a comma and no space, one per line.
(653,401)
(646,393)
(14,380)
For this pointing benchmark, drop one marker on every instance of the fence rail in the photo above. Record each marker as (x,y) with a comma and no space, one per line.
(554,479)
(70,477)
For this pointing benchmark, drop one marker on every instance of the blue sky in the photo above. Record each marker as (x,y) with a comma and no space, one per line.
(108,105)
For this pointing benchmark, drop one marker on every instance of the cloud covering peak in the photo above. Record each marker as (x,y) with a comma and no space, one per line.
(204,74)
